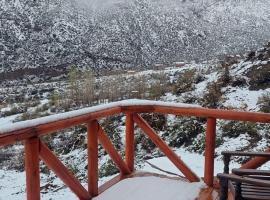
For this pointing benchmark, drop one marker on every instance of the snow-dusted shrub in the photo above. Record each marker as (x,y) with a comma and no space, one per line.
(145,147)
(108,169)
(185,82)
(198,145)
(144,144)
(233,129)
(32,115)
(156,121)
(190,98)
(264,102)
(213,96)
(238,81)
(225,78)
(157,89)
(67,140)
(111,126)
(199,77)
(15,161)
(13,111)
(183,131)
(259,76)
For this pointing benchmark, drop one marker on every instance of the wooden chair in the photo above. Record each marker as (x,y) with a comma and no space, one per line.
(244,184)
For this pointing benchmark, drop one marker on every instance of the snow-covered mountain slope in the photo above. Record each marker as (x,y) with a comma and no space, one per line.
(46,37)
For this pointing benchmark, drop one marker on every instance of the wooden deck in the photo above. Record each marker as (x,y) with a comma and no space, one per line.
(208,193)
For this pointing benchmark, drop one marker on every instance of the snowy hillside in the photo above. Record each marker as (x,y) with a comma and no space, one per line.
(46,37)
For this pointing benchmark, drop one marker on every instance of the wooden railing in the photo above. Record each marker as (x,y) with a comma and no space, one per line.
(31,131)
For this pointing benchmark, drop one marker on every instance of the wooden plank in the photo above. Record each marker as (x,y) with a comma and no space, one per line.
(201,112)
(47,128)
(256,162)
(110,183)
(261,173)
(40,129)
(110,149)
(92,135)
(208,193)
(245,180)
(191,176)
(130,143)
(243,153)
(32,169)
(210,145)
(62,172)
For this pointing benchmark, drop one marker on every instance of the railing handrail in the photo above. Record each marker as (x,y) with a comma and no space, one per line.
(19,131)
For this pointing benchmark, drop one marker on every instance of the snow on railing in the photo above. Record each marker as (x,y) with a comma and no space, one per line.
(89,110)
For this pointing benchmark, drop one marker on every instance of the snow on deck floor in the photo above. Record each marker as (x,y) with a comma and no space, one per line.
(152,188)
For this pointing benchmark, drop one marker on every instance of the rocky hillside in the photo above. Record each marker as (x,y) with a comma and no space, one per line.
(45,37)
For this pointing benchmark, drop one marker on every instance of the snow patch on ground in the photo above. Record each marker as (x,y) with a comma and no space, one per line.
(193,160)
(152,188)
(80,112)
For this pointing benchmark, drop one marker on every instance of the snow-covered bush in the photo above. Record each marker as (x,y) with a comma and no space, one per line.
(183,131)
(108,169)
(213,96)
(264,102)
(233,129)
(185,82)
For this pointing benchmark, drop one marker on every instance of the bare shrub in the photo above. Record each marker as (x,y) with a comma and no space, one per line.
(213,96)
(185,82)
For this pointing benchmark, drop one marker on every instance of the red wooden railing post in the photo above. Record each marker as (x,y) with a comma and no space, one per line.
(210,143)
(256,162)
(92,135)
(130,143)
(32,169)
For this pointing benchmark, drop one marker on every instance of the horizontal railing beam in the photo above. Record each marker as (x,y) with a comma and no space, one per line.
(19,134)
(47,128)
(201,112)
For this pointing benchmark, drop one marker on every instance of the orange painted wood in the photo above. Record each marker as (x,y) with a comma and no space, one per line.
(110,149)
(209,155)
(130,143)
(191,176)
(22,134)
(32,169)
(92,135)
(110,183)
(208,194)
(201,112)
(62,172)
(42,129)
(256,162)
